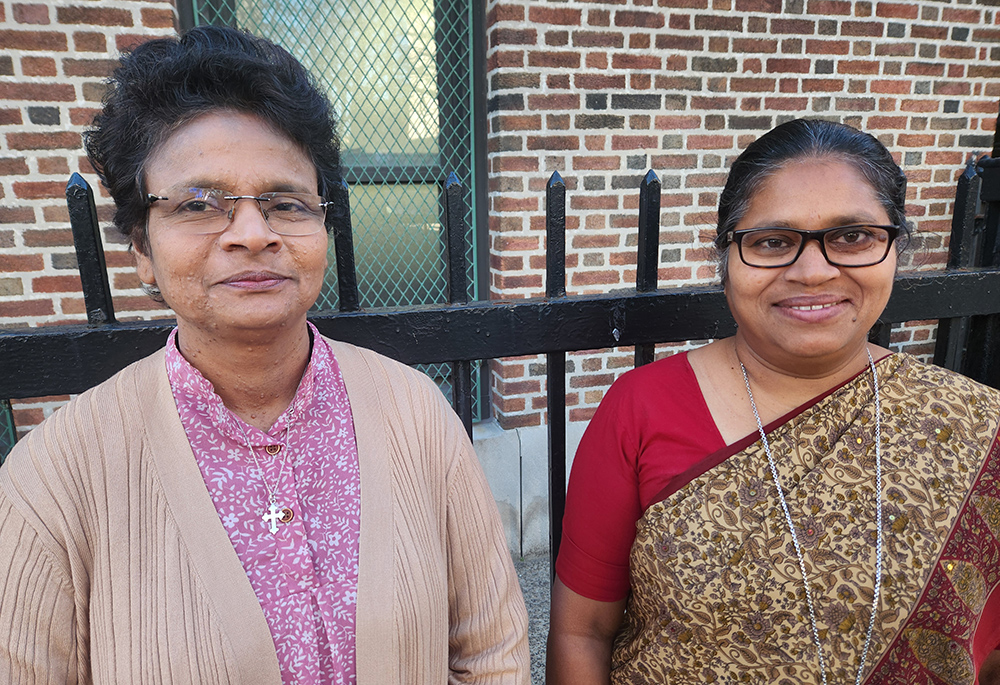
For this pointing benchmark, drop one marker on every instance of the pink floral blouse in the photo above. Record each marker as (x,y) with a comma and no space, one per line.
(306,574)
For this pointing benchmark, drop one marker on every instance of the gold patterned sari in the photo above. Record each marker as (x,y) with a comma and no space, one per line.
(717,594)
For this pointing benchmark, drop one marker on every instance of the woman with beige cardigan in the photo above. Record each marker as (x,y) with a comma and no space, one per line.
(254,503)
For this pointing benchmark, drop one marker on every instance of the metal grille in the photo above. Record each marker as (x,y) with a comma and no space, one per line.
(8,434)
(399,74)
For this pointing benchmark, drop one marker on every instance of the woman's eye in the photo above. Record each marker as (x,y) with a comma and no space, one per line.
(853,237)
(201,201)
(193,206)
(771,242)
(287,205)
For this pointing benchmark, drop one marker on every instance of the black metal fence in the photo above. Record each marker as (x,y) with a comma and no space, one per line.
(966,297)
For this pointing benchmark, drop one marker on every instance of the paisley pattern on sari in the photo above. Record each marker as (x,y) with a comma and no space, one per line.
(717,594)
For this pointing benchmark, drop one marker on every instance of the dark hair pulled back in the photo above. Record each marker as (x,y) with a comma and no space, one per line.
(811,138)
(164,83)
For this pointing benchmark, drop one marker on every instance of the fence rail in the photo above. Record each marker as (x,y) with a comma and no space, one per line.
(966,297)
(72,358)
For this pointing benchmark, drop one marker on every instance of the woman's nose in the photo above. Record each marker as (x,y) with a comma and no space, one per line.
(248,226)
(812,265)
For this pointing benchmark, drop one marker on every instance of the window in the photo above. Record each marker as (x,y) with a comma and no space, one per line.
(406,78)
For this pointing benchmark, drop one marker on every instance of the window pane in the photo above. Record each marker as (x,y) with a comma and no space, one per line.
(377,60)
(399,245)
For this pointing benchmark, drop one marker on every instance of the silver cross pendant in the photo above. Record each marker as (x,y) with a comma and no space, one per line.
(272,516)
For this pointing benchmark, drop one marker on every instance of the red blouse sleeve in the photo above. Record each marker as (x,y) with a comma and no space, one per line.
(602,506)
(651,427)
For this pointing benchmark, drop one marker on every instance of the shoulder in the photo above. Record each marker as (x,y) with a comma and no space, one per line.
(926,385)
(361,365)
(928,377)
(648,398)
(662,381)
(106,405)
(389,396)
(114,403)
(55,473)
(84,441)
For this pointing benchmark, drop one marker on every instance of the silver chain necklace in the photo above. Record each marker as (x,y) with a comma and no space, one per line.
(274,512)
(795,538)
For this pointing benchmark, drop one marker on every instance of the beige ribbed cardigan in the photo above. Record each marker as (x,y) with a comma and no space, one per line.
(115,567)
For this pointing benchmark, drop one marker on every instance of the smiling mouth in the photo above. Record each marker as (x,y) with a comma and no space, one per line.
(254,277)
(812,307)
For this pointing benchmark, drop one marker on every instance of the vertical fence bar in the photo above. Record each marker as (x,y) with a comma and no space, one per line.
(555,362)
(996,135)
(343,248)
(458,293)
(461,392)
(555,236)
(647,253)
(880,334)
(454,211)
(984,331)
(89,251)
(8,433)
(952,334)
(989,193)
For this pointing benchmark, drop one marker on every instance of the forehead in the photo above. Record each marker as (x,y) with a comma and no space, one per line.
(230,150)
(813,193)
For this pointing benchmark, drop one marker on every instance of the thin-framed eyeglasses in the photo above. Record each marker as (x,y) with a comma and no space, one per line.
(855,245)
(203,211)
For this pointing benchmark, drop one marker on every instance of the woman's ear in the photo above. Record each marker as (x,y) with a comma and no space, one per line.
(143,265)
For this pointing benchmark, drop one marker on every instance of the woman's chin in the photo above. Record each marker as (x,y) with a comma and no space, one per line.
(807,353)
(252,324)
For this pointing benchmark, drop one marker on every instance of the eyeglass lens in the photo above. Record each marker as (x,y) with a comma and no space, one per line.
(209,210)
(844,246)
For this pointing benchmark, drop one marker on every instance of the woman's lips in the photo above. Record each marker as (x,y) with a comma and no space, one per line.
(810,307)
(812,310)
(254,280)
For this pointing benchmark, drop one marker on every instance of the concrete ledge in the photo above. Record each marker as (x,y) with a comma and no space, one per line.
(516,466)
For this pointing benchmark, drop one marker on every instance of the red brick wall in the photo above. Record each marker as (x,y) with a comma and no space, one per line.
(53,60)
(602,91)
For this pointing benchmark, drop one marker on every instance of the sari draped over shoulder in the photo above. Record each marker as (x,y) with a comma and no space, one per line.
(717,594)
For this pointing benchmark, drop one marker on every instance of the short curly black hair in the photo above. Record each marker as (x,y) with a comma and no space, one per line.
(164,83)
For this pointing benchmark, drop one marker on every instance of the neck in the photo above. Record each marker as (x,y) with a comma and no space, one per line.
(779,389)
(255,375)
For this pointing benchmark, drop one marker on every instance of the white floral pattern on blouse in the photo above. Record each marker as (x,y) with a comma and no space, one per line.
(305,575)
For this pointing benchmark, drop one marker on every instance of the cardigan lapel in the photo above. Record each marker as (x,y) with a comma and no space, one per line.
(377,642)
(216,562)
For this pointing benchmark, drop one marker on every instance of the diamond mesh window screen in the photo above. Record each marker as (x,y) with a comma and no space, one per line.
(399,73)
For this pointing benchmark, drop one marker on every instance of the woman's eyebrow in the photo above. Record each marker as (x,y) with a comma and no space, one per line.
(842,220)
(227,187)
(196,183)
(286,188)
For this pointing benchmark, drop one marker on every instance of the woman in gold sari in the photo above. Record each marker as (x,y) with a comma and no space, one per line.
(792,504)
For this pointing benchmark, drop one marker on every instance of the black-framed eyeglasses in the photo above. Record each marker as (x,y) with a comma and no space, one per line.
(202,211)
(855,245)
